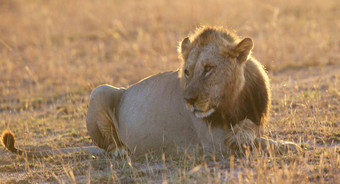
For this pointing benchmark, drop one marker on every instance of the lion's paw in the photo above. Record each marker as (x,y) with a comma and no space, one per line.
(286,146)
(279,147)
(241,137)
(118,153)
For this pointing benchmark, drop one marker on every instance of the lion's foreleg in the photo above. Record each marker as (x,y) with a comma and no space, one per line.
(277,147)
(245,135)
(242,136)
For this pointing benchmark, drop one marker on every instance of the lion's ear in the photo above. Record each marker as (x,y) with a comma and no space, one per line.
(184,46)
(243,49)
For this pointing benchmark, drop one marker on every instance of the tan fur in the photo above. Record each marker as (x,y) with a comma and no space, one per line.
(219,99)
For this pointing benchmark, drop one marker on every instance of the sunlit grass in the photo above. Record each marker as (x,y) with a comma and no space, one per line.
(53,53)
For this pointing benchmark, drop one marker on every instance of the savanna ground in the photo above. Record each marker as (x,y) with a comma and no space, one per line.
(53,53)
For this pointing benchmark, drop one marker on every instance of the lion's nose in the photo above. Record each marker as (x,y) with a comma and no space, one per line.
(191,100)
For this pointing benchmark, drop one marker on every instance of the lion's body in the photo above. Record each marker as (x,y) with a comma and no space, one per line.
(218,100)
(151,115)
(152,118)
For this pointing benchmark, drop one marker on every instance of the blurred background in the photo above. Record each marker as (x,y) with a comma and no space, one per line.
(53,53)
(49,46)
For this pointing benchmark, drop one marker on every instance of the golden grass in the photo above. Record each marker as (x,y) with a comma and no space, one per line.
(53,53)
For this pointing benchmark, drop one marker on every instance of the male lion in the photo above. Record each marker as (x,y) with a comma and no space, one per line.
(218,99)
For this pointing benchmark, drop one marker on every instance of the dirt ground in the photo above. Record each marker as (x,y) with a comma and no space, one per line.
(53,53)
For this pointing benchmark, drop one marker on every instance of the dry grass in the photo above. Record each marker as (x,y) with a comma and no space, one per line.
(53,53)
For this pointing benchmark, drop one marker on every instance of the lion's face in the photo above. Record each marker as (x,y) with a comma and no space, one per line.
(211,74)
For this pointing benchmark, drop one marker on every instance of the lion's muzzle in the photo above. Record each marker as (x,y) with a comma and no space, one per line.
(201,114)
(199,111)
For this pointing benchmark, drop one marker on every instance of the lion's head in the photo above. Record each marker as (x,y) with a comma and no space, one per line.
(212,69)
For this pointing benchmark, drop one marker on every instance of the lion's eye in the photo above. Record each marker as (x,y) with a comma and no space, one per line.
(207,68)
(186,72)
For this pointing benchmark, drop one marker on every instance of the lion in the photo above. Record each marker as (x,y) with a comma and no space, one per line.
(218,100)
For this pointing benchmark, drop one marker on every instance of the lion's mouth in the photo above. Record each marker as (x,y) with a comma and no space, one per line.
(199,112)
(203,114)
